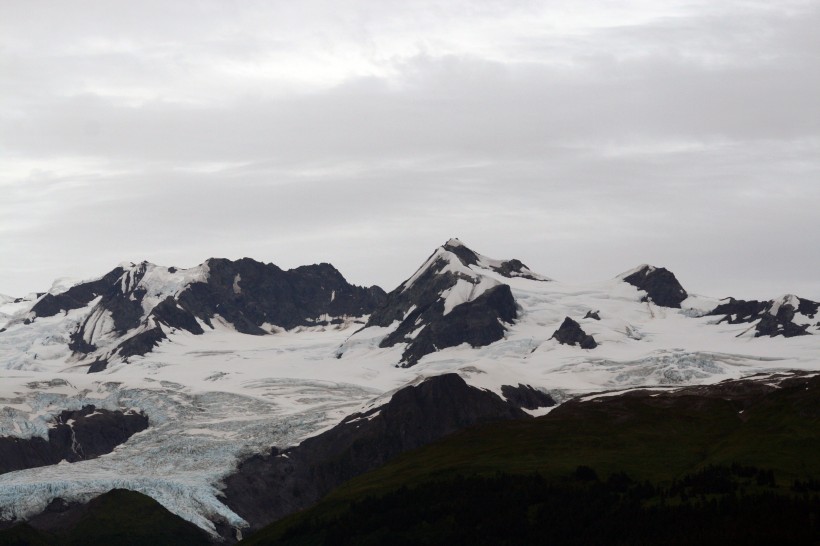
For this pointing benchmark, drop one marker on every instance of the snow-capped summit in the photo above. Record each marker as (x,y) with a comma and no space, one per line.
(455,257)
(457,296)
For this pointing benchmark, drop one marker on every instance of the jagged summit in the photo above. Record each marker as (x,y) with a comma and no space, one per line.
(660,284)
(456,258)
(135,306)
(506,268)
(456,297)
(453,298)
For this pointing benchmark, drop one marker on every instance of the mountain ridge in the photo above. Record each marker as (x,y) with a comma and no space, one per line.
(231,357)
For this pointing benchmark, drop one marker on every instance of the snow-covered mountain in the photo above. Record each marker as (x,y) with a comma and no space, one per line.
(133,308)
(229,358)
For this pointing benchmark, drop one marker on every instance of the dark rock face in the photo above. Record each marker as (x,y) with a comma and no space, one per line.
(593,315)
(419,305)
(141,343)
(78,345)
(267,488)
(77,296)
(526,397)
(423,293)
(247,294)
(768,324)
(244,293)
(477,323)
(77,435)
(781,323)
(808,307)
(467,256)
(660,286)
(170,314)
(571,333)
(740,311)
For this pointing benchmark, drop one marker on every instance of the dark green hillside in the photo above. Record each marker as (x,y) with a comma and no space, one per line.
(731,463)
(119,517)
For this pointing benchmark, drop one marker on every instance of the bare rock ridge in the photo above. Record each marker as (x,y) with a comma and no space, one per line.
(76,435)
(427,322)
(247,294)
(244,293)
(788,316)
(456,297)
(266,488)
(77,296)
(660,286)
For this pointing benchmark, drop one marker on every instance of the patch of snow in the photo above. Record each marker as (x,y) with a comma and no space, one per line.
(62,285)
(464,291)
(647,267)
(788,299)
(451,264)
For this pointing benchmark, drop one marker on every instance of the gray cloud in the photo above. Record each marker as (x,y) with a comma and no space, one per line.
(582,141)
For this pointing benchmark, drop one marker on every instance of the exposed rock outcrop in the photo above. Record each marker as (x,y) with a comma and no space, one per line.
(788,316)
(571,333)
(527,397)
(660,285)
(740,311)
(76,435)
(779,318)
(77,296)
(429,320)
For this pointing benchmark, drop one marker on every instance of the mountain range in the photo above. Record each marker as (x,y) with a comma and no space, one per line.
(256,381)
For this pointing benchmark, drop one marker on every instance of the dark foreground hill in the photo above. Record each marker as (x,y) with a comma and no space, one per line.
(119,518)
(725,464)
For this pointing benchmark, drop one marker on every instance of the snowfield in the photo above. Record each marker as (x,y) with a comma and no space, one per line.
(216,398)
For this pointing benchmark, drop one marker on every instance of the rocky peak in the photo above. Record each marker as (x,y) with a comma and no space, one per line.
(456,258)
(451,299)
(660,285)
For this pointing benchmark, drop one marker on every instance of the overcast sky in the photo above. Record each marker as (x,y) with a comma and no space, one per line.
(582,137)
